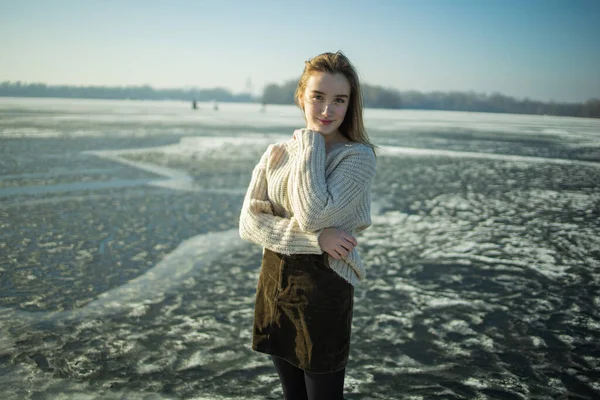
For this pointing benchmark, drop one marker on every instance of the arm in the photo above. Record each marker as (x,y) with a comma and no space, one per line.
(318,202)
(260,226)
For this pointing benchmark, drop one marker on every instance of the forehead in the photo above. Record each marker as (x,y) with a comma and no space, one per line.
(333,84)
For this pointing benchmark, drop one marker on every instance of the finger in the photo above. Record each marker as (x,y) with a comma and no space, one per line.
(347,246)
(351,239)
(342,251)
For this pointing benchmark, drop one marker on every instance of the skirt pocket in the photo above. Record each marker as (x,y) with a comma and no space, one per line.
(309,280)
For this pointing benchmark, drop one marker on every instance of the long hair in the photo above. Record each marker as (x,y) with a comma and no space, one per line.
(337,63)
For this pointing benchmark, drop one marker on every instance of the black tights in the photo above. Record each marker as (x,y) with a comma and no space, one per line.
(300,385)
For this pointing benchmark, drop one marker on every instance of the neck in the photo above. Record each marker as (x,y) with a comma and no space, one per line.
(333,137)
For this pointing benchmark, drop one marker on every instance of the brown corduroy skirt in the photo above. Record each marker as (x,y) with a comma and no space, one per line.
(303,312)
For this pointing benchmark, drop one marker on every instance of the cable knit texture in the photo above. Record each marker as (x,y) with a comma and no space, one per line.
(297,190)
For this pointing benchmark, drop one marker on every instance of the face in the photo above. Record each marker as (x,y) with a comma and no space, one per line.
(325,102)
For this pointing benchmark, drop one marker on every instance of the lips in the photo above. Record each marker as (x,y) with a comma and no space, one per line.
(325,121)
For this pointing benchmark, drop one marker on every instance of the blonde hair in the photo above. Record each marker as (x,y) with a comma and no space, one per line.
(337,63)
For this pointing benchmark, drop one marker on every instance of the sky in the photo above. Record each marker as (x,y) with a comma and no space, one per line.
(539,49)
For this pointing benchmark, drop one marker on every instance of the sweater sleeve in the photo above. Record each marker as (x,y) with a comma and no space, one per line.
(355,262)
(319,202)
(259,225)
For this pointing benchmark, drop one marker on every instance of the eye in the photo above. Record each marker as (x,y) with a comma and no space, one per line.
(340,100)
(317,97)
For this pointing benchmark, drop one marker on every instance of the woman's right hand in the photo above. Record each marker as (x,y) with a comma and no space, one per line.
(336,242)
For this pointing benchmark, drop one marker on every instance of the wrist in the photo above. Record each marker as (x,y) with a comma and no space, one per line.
(318,234)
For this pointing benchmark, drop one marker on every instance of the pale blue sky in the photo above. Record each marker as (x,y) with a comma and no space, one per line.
(542,49)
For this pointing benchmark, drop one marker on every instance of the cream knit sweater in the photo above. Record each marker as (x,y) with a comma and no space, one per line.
(297,190)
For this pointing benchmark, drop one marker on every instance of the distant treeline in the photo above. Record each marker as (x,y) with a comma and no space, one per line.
(18,89)
(379,97)
(374,97)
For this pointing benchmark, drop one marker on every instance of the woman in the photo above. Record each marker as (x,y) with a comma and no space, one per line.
(307,199)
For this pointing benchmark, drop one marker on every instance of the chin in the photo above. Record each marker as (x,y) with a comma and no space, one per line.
(327,129)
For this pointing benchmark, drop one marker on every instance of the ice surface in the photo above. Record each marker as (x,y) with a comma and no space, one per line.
(483,256)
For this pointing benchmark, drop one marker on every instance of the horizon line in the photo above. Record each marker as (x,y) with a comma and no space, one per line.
(190,88)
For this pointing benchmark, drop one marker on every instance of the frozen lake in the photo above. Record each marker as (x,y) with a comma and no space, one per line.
(122,274)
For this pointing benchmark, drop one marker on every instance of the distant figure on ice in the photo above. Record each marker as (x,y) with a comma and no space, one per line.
(264,107)
(194,105)
(215,105)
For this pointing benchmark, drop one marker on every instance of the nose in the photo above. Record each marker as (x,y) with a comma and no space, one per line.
(328,109)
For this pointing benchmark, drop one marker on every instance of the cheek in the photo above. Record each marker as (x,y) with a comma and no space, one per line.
(341,113)
(311,110)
